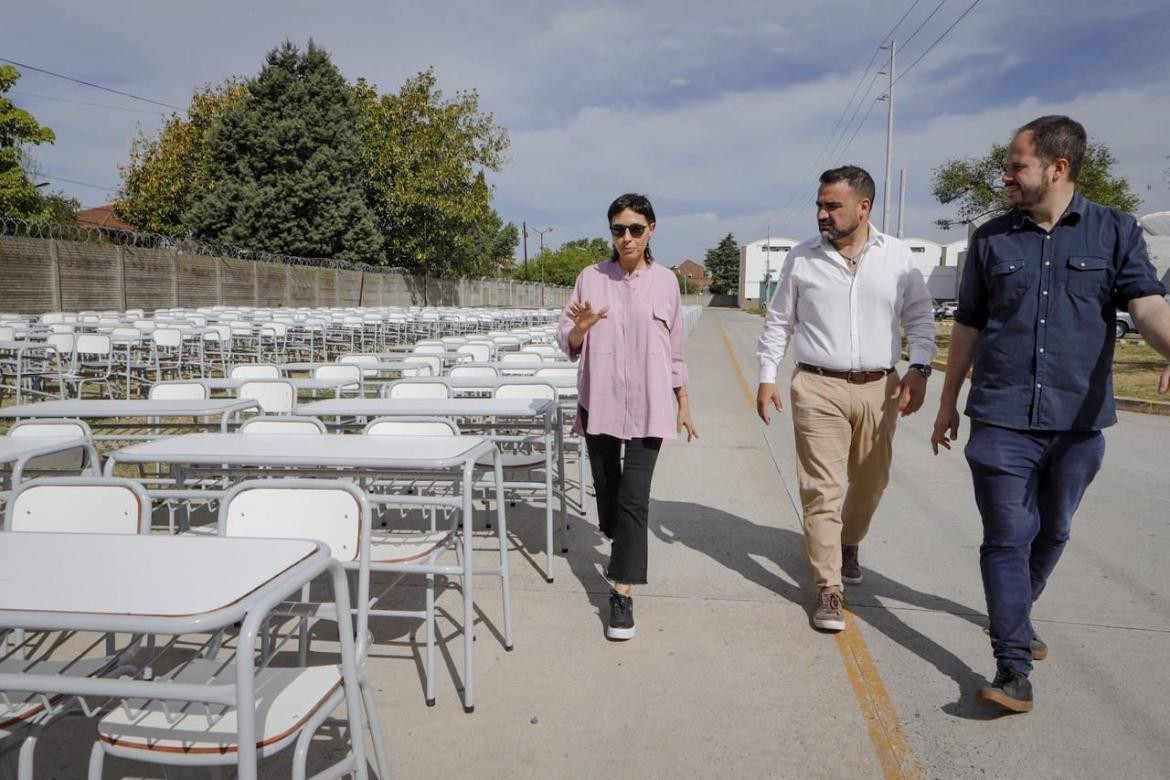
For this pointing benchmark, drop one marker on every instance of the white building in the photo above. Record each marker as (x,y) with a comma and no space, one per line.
(758,261)
(952,251)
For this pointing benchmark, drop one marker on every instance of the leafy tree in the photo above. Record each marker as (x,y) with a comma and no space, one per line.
(722,264)
(19,197)
(684,284)
(489,246)
(425,158)
(561,265)
(974,184)
(283,165)
(167,171)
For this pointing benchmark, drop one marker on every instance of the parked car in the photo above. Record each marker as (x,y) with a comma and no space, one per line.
(1124,325)
(948,309)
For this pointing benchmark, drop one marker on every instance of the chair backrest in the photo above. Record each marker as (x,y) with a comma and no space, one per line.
(519,357)
(416,389)
(430,349)
(93,344)
(278,424)
(7,333)
(527,391)
(98,505)
(167,337)
(453,341)
(480,353)
(63,343)
(476,371)
(433,366)
(254,371)
(178,391)
(50,428)
(412,426)
(338,371)
(275,396)
(358,358)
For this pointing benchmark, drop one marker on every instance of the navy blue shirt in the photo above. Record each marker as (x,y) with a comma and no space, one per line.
(1045,304)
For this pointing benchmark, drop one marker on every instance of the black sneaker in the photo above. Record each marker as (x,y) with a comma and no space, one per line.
(1010,690)
(850,567)
(1039,649)
(621,616)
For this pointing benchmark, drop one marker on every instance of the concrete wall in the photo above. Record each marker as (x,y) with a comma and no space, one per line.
(41,275)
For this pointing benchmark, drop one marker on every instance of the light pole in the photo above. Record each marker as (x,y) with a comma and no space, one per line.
(540,232)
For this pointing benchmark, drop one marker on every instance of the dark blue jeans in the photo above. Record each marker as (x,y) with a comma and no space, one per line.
(1027,484)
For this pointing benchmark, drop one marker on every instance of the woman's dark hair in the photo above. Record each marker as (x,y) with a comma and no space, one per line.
(639,204)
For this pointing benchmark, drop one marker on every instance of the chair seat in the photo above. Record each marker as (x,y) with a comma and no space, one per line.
(285,699)
(403,548)
(21,710)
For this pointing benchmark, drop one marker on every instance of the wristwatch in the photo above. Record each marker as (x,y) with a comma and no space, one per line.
(921,368)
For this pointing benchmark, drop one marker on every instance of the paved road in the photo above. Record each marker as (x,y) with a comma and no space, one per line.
(726,678)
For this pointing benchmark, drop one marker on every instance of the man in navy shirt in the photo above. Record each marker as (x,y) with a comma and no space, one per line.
(1036,315)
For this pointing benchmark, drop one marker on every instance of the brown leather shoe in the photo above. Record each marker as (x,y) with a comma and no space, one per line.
(830,612)
(850,568)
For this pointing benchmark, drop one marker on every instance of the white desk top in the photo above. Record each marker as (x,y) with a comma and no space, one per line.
(309,450)
(423,407)
(382,365)
(115,575)
(233,383)
(13,449)
(21,345)
(130,408)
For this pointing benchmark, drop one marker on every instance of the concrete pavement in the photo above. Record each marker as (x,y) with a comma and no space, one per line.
(726,678)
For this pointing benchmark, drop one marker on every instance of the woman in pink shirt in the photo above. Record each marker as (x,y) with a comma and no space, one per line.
(624,322)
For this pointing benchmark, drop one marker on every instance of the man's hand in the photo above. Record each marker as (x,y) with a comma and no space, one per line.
(910,392)
(1164,382)
(946,427)
(584,317)
(768,393)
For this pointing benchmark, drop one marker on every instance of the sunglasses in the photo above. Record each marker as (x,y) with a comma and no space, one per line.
(636,230)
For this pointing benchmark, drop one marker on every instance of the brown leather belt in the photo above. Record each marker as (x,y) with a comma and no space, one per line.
(853,377)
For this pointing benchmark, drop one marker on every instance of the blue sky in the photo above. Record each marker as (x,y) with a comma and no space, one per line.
(720,112)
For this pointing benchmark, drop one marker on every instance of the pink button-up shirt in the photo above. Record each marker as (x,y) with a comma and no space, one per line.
(635,356)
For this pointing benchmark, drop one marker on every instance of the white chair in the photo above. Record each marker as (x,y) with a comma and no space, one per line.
(277,424)
(292,702)
(411,426)
(167,345)
(71,460)
(275,396)
(178,391)
(459,372)
(416,388)
(439,350)
(428,365)
(90,505)
(255,371)
(479,352)
(331,371)
(93,361)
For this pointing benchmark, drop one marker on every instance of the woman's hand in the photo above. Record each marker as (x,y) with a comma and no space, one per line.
(684,419)
(584,317)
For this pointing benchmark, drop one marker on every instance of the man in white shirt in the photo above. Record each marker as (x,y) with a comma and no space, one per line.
(842,302)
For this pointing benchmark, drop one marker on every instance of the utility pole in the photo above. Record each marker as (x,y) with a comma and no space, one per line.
(540,232)
(525,231)
(901,200)
(889,98)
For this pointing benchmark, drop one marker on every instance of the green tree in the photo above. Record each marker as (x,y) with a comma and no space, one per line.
(973,184)
(284,165)
(19,197)
(425,158)
(684,284)
(561,265)
(489,246)
(722,264)
(168,170)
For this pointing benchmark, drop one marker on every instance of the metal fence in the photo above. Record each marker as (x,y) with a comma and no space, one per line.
(72,268)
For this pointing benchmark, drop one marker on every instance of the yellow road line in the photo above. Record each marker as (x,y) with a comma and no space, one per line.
(881,719)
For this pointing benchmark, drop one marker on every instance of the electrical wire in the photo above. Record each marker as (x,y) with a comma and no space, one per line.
(85,103)
(89,84)
(962,16)
(74,181)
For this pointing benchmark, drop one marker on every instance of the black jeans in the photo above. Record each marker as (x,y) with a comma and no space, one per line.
(1028,485)
(623,498)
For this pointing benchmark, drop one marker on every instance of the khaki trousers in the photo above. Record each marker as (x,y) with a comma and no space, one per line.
(844,435)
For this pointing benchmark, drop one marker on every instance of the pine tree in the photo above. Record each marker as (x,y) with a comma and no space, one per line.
(723,266)
(284,170)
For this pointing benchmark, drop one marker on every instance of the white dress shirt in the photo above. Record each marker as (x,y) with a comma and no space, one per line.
(843,321)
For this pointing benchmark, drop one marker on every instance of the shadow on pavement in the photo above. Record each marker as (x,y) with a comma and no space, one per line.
(741,545)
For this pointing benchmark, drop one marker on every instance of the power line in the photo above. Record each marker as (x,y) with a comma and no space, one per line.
(918,29)
(84,103)
(845,110)
(89,84)
(74,181)
(962,16)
